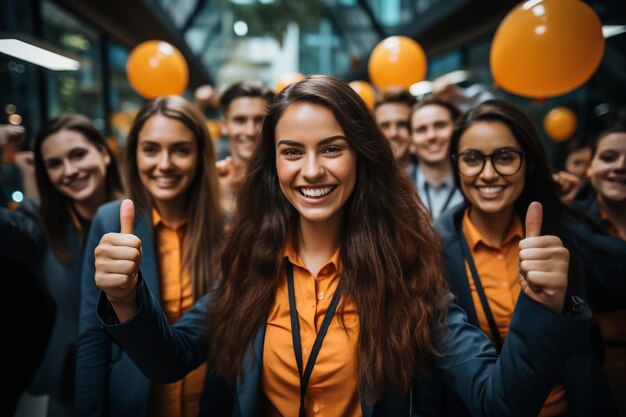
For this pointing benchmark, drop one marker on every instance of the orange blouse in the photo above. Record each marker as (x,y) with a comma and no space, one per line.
(181,398)
(333,387)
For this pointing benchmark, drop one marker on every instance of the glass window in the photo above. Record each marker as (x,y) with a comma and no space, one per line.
(74,91)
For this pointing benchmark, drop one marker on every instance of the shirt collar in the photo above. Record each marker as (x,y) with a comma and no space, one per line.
(158,220)
(474,237)
(289,252)
(448,181)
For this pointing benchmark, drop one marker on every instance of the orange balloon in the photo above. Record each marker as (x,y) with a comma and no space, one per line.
(560,124)
(546,48)
(365,91)
(156,68)
(397,61)
(287,79)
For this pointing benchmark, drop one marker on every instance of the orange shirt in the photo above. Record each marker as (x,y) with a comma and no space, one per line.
(333,388)
(498,269)
(182,398)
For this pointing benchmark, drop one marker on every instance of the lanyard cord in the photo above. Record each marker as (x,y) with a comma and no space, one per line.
(481,292)
(295,334)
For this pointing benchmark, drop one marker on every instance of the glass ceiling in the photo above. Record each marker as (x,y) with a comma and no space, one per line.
(263,39)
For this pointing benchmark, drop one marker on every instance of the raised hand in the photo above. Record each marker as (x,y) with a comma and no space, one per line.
(544,263)
(117,261)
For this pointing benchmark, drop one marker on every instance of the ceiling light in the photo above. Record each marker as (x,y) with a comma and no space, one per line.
(613,30)
(241,28)
(28,51)
(421,88)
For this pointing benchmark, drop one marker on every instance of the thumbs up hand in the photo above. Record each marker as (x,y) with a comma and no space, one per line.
(117,261)
(544,263)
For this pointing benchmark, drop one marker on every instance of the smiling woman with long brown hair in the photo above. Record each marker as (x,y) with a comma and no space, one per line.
(170,173)
(76,173)
(332,298)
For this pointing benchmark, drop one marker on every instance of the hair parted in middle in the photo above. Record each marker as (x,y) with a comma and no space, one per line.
(389,253)
(539,184)
(204,212)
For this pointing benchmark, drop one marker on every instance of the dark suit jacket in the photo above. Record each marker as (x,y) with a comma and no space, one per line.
(27,243)
(27,309)
(107,382)
(585,386)
(515,384)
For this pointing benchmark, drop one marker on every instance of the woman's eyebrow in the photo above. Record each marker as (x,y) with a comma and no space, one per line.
(298,144)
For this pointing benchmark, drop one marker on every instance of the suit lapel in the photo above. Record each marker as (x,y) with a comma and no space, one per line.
(455,266)
(248,387)
(150,272)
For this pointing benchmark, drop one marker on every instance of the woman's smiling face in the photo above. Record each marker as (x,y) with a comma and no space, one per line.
(490,192)
(315,164)
(608,167)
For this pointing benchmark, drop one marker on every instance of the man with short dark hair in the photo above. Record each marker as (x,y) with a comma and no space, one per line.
(392,112)
(243,107)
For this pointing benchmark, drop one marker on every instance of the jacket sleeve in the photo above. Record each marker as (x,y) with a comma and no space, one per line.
(603,260)
(164,353)
(94,346)
(518,382)
(21,233)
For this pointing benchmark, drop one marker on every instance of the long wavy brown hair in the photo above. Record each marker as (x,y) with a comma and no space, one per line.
(54,205)
(204,214)
(390,254)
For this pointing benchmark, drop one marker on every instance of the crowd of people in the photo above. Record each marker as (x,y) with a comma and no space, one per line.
(409,259)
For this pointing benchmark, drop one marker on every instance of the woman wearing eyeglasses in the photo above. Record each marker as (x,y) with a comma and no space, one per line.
(500,166)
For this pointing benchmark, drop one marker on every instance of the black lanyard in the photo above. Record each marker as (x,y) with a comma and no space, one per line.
(481,292)
(295,334)
(430,204)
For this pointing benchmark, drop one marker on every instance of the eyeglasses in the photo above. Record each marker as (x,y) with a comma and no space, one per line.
(505,161)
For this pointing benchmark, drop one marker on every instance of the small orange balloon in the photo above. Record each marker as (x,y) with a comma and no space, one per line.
(560,124)
(156,68)
(287,79)
(365,91)
(397,61)
(545,48)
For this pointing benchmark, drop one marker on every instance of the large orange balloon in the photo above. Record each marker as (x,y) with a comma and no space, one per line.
(156,68)
(287,79)
(560,124)
(365,91)
(546,48)
(397,61)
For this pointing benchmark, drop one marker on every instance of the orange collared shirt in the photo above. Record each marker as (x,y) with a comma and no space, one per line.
(333,388)
(498,269)
(182,398)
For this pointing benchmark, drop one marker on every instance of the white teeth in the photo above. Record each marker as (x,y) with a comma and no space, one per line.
(166,180)
(76,183)
(490,190)
(316,192)
(618,180)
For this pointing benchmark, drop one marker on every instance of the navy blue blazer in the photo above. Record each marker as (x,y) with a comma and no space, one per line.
(514,384)
(595,259)
(107,382)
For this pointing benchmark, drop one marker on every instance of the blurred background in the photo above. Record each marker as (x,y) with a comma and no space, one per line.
(225,41)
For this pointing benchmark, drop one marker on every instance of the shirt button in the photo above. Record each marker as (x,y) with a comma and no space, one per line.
(316,409)
(320,295)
